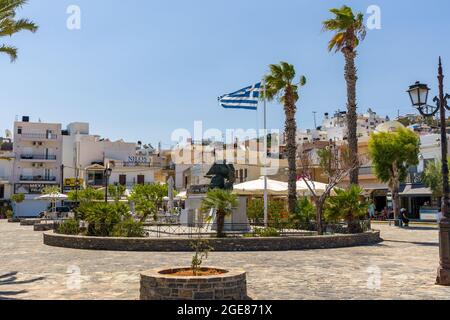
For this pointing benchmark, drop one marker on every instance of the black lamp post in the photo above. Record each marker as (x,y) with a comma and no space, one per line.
(419,96)
(107,173)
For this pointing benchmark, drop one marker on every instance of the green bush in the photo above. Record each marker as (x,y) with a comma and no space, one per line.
(128,229)
(102,217)
(267,232)
(69,227)
(348,206)
(9,214)
(255,209)
(304,212)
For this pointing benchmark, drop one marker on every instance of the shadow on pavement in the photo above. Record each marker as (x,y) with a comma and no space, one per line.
(425,244)
(11,279)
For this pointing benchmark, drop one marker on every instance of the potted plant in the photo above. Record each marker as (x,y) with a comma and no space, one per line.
(194,282)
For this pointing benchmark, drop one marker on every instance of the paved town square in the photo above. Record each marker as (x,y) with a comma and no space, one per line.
(406,262)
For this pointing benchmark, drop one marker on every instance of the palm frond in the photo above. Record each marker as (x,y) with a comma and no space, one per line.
(9,27)
(11,51)
(349,29)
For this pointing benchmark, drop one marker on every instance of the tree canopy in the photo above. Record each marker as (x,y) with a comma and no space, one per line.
(394,150)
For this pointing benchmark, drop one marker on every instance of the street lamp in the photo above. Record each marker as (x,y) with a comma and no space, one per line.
(107,173)
(418,93)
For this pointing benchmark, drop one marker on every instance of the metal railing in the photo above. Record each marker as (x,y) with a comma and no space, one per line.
(37,178)
(275,229)
(37,157)
(40,136)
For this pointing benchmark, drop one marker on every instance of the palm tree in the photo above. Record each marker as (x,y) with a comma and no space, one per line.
(349,31)
(223,202)
(280,84)
(9,25)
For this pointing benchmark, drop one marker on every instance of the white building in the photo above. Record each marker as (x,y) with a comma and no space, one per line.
(86,157)
(336,126)
(6,169)
(38,160)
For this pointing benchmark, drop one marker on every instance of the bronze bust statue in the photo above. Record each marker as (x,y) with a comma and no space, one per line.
(222,176)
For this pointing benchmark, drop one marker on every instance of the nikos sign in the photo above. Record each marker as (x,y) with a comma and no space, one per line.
(138,159)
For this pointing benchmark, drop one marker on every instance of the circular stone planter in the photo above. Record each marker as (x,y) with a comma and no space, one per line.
(219,245)
(161,284)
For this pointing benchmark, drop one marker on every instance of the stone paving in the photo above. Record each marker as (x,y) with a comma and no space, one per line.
(402,267)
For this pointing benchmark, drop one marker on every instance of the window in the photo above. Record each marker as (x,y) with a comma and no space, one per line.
(2,191)
(19,130)
(141,179)
(123,179)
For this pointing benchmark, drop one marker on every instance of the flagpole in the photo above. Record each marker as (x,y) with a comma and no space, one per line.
(266,200)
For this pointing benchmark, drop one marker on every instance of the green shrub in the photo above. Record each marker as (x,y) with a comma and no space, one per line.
(102,217)
(128,229)
(9,214)
(255,209)
(267,232)
(304,211)
(348,206)
(69,227)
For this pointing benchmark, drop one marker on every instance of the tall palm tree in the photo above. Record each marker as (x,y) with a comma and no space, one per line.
(349,32)
(223,201)
(280,84)
(9,25)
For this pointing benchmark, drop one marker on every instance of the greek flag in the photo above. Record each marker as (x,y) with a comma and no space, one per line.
(246,98)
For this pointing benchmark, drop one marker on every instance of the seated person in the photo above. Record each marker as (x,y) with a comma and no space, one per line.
(403,217)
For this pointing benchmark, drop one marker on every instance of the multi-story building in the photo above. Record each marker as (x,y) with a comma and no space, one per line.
(86,157)
(6,169)
(38,161)
(336,126)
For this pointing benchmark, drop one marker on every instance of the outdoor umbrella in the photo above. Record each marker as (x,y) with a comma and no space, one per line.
(256,187)
(53,197)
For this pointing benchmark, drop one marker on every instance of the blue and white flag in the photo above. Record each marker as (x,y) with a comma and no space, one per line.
(246,98)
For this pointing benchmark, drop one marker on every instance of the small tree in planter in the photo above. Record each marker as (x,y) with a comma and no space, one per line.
(223,202)
(202,249)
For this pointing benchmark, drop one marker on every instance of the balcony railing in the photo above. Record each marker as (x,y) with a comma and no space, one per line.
(37,157)
(38,178)
(39,136)
(135,164)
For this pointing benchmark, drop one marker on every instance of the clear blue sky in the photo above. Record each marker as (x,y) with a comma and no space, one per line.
(139,69)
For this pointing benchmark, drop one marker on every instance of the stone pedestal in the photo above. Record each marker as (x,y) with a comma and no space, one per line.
(237,221)
(443,277)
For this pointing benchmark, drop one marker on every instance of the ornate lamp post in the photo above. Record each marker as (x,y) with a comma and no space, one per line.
(419,96)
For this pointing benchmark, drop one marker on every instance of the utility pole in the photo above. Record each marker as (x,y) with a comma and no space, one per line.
(315,120)
(62,178)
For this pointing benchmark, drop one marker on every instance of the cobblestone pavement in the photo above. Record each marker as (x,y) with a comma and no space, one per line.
(402,267)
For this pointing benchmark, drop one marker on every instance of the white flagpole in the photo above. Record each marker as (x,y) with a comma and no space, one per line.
(266,198)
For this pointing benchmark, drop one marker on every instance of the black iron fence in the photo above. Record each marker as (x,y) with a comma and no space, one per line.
(256,229)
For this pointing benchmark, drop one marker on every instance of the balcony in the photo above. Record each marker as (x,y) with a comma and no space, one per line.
(134,164)
(39,136)
(38,178)
(33,157)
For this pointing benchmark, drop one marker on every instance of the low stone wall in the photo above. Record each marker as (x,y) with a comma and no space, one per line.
(44,227)
(157,285)
(220,245)
(29,222)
